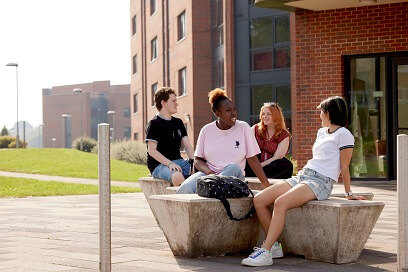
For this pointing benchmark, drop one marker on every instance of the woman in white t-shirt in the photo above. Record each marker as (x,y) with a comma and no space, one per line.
(332,153)
(224,145)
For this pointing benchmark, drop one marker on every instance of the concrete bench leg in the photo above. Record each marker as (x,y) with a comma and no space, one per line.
(333,232)
(198,227)
(151,186)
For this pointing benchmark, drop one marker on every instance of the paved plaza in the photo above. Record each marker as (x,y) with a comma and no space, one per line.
(61,234)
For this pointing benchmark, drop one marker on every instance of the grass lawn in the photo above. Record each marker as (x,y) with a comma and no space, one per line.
(18,187)
(67,163)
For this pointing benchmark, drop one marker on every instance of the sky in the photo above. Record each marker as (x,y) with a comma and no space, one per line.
(59,42)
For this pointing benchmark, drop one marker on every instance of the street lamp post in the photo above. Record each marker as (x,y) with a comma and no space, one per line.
(113,113)
(78,90)
(17,134)
(39,135)
(53,142)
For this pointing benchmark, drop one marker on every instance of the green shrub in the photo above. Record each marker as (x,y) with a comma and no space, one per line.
(87,144)
(6,140)
(4,131)
(129,151)
(10,142)
(21,144)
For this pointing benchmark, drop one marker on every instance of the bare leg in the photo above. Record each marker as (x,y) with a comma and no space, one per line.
(177,178)
(295,197)
(265,198)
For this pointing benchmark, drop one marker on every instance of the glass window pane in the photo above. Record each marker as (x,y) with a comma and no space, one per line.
(282,57)
(402,80)
(134,25)
(154,89)
(261,60)
(260,95)
(283,99)
(282,29)
(368,107)
(261,32)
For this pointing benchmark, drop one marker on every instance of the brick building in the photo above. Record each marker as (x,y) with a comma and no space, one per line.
(358,50)
(195,46)
(62,112)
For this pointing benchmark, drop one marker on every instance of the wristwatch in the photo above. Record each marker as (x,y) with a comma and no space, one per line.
(350,193)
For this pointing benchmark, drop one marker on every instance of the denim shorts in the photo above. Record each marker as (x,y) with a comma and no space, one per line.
(321,185)
(163,172)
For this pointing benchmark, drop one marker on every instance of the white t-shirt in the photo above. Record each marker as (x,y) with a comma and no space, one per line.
(326,151)
(222,147)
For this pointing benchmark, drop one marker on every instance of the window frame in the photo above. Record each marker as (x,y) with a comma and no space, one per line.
(182,81)
(181,26)
(153,49)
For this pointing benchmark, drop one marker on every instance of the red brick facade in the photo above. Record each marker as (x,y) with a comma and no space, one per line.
(319,42)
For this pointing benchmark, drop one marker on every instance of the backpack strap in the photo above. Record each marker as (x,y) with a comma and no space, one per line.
(228,208)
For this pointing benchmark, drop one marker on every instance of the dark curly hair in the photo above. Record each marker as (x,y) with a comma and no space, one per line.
(215,97)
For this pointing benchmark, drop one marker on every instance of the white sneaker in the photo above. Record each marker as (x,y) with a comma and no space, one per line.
(260,257)
(276,250)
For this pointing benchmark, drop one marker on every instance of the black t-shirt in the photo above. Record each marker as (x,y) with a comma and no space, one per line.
(168,135)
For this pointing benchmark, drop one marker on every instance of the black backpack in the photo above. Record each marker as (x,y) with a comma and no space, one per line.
(223,187)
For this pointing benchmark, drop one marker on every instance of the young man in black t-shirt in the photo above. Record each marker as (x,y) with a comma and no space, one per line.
(164,135)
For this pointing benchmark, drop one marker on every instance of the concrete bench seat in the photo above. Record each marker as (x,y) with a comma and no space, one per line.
(333,230)
(151,186)
(196,226)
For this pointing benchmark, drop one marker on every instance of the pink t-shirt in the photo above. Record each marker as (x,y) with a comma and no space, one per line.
(222,147)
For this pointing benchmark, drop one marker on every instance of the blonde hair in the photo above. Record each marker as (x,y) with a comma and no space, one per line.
(277,117)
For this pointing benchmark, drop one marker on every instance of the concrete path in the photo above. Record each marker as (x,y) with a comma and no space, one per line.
(66,179)
(61,234)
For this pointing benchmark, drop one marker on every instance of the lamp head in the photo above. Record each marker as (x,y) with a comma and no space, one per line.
(12,64)
(77,90)
(111,112)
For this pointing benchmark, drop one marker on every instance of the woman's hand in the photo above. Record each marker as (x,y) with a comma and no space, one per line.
(354,197)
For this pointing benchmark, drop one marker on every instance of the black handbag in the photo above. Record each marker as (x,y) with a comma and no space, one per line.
(223,187)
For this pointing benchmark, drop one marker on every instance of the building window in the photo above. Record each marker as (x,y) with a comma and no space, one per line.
(273,93)
(127,132)
(182,78)
(135,103)
(153,45)
(217,23)
(134,64)
(181,26)
(152,7)
(269,43)
(126,112)
(154,89)
(135,136)
(218,74)
(134,25)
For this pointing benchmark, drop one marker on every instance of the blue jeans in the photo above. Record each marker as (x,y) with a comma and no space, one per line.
(163,172)
(189,186)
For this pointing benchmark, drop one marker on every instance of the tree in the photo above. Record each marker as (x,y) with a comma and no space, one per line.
(4,131)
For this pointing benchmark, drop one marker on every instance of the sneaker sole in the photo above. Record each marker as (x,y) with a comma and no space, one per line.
(277,256)
(255,264)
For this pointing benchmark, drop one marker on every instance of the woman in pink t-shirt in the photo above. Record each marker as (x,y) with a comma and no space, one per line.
(224,146)
(273,140)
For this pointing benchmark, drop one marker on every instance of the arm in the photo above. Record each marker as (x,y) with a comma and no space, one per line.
(345,158)
(200,164)
(257,168)
(280,152)
(152,149)
(188,147)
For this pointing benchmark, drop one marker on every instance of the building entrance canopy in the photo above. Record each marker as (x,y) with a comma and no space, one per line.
(318,5)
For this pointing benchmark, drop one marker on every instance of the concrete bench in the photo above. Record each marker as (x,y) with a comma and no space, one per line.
(196,226)
(333,231)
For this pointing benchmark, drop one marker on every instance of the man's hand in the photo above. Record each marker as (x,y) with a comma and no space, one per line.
(174,167)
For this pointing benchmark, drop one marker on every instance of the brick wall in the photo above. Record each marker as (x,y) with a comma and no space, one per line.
(320,40)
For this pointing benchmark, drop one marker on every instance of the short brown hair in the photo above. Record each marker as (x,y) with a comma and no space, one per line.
(162,94)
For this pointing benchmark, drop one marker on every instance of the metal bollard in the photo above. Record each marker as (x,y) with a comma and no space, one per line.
(104,198)
(402,189)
